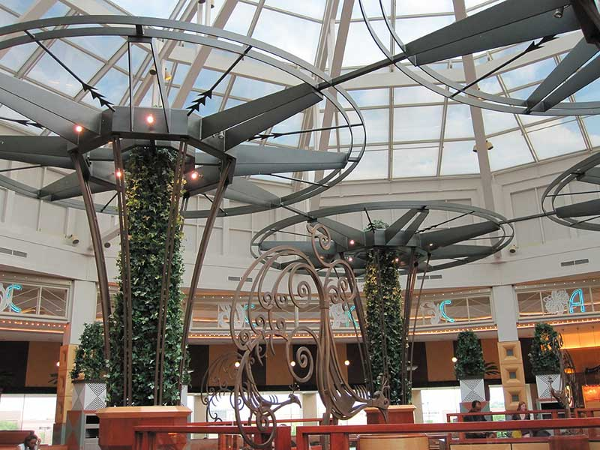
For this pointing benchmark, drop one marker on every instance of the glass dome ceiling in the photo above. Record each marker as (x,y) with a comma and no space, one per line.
(411,131)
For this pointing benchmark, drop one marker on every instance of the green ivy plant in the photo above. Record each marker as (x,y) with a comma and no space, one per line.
(149,182)
(384,319)
(545,350)
(89,357)
(470,362)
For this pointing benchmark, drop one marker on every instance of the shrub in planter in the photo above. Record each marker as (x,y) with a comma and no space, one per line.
(470,362)
(545,350)
(89,357)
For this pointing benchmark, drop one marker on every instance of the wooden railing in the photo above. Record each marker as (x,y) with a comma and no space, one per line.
(339,436)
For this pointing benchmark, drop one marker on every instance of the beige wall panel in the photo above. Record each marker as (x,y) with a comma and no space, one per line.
(439,361)
(41,363)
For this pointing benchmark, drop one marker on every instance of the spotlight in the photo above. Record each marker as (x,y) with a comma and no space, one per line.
(293,364)
(513,249)
(351,242)
(350,259)
(149,119)
(488,144)
(78,129)
(152,72)
(396,260)
(194,175)
(558,13)
(118,174)
(454,359)
(346,363)
(57,363)
(236,364)
(73,239)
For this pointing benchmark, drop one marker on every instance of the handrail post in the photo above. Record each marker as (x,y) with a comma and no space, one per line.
(283,439)
(339,441)
(301,439)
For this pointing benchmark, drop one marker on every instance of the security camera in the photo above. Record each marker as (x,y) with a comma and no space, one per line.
(513,249)
(107,245)
(73,239)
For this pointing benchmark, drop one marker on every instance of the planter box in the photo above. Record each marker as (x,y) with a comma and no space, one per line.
(396,414)
(393,441)
(472,389)
(88,395)
(543,384)
(117,423)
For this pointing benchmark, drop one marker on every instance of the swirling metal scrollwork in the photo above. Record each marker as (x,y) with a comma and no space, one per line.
(285,277)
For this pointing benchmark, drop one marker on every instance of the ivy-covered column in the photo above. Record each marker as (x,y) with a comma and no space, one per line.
(149,183)
(385,323)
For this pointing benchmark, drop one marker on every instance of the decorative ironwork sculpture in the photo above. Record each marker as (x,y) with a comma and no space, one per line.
(418,246)
(212,158)
(509,22)
(583,215)
(296,284)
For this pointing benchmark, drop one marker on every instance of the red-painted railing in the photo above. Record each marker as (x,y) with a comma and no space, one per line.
(340,435)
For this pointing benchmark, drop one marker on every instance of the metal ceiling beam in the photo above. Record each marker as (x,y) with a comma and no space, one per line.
(200,59)
(164,53)
(485,171)
(509,22)
(336,70)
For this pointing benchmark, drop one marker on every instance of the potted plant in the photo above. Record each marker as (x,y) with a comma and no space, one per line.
(470,367)
(545,359)
(89,370)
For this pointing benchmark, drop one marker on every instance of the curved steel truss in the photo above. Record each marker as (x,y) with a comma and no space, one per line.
(582,214)
(444,244)
(506,23)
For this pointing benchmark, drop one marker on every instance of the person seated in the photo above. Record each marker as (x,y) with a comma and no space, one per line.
(475,408)
(31,442)
(521,415)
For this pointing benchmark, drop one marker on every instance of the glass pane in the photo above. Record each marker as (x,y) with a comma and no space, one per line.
(54,302)
(529,304)
(292,34)
(459,158)
(240,19)
(458,122)
(377,122)
(26,299)
(415,162)
(417,123)
(495,122)
(312,8)
(415,94)
(373,165)
(556,138)
(509,150)
(49,72)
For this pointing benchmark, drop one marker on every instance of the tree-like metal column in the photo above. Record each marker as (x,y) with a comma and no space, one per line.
(227,171)
(82,172)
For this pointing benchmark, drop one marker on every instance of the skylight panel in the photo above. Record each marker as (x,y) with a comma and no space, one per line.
(458,158)
(509,150)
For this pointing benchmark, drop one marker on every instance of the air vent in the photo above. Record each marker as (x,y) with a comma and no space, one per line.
(575,262)
(429,277)
(8,251)
(238,279)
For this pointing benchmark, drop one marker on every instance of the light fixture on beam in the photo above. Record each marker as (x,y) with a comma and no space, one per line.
(488,144)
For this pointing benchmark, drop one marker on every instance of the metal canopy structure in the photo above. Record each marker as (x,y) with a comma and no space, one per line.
(433,246)
(579,183)
(503,24)
(210,140)
(417,246)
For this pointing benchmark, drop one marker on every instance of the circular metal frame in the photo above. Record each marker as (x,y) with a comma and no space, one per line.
(471,96)
(125,26)
(557,188)
(405,250)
